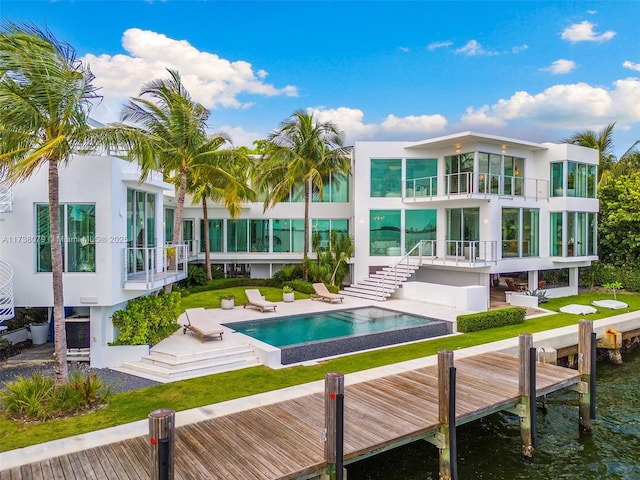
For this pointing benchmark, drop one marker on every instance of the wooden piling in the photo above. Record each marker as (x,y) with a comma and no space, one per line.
(524,388)
(445,415)
(162,443)
(333,387)
(585,329)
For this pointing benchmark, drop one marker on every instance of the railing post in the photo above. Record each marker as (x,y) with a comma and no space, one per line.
(162,444)
(585,329)
(333,425)
(524,389)
(447,415)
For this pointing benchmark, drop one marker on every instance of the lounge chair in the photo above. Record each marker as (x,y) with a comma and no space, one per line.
(254,299)
(201,324)
(324,294)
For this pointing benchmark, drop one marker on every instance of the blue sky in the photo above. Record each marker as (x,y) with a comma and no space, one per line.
(381,70)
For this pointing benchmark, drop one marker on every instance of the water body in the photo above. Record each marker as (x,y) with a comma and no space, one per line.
(490,448)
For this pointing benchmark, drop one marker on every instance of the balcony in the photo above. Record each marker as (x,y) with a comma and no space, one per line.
(153,268)
(454,253)
(467,185)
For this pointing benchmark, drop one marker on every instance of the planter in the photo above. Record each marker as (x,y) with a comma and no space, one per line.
(288,297)
(16,336)
(227,303)
(39,333)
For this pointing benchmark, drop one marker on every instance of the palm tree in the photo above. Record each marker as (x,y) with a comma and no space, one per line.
(222,176)
(601,141)
(175,126)
(45,98)
(301,156)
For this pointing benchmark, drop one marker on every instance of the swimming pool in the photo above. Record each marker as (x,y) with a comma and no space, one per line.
(317,335)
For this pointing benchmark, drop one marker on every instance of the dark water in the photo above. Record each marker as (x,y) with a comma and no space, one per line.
(490,448)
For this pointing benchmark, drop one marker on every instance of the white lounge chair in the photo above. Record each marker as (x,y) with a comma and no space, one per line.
(324,294)
(254,299)
(200,323)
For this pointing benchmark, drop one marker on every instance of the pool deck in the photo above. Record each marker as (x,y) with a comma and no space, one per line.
(179,342)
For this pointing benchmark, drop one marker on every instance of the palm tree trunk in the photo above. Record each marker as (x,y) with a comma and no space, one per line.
(60,342)
(307,198)
(207,254)
(177,222)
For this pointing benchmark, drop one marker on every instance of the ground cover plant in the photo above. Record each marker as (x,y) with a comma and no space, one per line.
(135,405)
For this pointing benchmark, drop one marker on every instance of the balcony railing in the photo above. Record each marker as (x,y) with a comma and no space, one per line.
(150,268)
(6,199)
(471,183)
(6,291)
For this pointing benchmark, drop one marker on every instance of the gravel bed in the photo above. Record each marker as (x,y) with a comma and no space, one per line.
(118,381)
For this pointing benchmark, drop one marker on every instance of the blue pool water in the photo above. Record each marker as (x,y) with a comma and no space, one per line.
(285,331)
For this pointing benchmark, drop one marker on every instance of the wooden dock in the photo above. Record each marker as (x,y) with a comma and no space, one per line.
(283,440)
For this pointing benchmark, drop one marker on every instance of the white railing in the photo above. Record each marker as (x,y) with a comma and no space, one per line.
(151,265)
(6,291)
(6,199)
(472,251)
(468,183)
(192,248)
(420,249)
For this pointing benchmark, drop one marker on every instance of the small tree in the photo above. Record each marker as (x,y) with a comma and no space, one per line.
(613,286)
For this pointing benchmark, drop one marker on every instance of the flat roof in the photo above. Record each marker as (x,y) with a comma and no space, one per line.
(472,137)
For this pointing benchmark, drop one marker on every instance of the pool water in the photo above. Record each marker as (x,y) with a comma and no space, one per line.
(294,330)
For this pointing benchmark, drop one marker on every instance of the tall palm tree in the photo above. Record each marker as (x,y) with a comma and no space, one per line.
(301,155)
(45,98)
(601,141)
(175,127)
(222,176)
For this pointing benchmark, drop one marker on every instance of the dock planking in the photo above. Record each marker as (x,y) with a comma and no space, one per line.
(283,440)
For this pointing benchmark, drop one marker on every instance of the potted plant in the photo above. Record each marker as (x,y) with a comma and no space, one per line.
(227,301)
(39,326)
(287,294)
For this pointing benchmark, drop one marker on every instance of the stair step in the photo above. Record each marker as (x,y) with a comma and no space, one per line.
(374,287)
(165,361)
(367,291)
(363,295)
(170,356)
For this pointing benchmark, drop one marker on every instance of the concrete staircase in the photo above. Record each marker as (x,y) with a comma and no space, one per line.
(168,367)
(381,284)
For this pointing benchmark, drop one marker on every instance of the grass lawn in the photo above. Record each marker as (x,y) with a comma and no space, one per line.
(211,298)
(136,405)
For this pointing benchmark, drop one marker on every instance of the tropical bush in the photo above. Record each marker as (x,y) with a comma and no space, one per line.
(195,278)
(147,320)
(37,397)
(288,273)
(493,318)
(541,294)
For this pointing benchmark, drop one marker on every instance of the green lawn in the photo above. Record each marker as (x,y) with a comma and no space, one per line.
(136,405)
(211,298)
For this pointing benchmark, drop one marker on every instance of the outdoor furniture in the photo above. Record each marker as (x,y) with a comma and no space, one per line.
(201,324)
(324,294)
(254,299)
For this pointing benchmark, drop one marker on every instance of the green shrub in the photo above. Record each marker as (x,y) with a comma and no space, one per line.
(301,286)
(196,277)
(37,397)
(288,272)
(147,320)
(492,318)
(233,282)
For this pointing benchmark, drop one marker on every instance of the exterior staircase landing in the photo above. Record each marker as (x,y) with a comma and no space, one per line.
(381,284)
(168,367)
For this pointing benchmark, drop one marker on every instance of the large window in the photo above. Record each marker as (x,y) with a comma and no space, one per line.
(237,235)
(259,235)
(580,182)
(288,235)
(386,178)
(459,173)
(384,236)
(169,215)
(335,190)
(321,230)
(573,234)
(78,232)
(215,235)
(520,232)
(463,229)
(422,177)
(419,225)
(500,174)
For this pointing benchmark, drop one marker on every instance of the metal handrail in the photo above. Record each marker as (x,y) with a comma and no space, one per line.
(155,261)
(6,199)
(394,269)
(7,310)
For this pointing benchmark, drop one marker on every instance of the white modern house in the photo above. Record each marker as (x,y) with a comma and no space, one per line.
(453,213)
(442,220)
(113,246)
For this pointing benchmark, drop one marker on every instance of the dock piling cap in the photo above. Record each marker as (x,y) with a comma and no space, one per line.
(611,339)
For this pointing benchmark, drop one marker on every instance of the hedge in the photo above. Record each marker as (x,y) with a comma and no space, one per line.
(147,320)
(490,319)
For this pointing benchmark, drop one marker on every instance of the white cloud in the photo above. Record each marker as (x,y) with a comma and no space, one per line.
(560,67)
(436,45)
(351,121)
(404,49)
(473,48)
(210,79)
(583,32)
(239,136)
(519,48)
(631,65)
(479,119)
(572,105)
